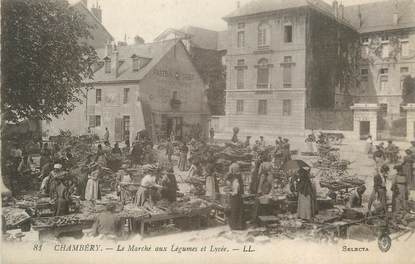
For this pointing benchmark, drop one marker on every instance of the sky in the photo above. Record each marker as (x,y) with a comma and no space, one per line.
(148,18)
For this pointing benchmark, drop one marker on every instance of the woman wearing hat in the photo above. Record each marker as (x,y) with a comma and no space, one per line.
(54,174)
(307,203)
(183,157)
(212,187)
(169,183)
(92,190)
(236,203)
(147,182)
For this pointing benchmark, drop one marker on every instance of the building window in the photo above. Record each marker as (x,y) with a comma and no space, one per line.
(239,106)
(288,33)
(383,108)
(364,74)
(126,92)
(384,38)
(241,39)
(383,83)
(136,64)
(107,65)
(126,126)
(240,76)
(97,121)
(405,48)
(264,35)
(384,71)
(365,40)
(286,72)
(263,74)
(98,96)
(286,107)
(241,25)
(385,51)
(262,107)
(241,62)
(404,70)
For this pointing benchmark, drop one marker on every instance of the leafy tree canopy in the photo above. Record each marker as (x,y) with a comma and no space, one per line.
(44,58)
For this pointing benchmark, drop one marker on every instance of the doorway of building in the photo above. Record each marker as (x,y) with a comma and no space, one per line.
(174,125)
(364,129)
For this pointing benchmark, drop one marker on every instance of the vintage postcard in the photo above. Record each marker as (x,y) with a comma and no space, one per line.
(207,131)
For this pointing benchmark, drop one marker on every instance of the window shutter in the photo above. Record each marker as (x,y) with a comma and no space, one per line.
(118,129)
(92,121)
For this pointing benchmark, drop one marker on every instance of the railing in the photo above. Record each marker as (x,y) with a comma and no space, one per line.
(263,86)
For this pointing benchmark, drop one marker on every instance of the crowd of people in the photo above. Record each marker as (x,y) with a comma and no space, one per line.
(158,181)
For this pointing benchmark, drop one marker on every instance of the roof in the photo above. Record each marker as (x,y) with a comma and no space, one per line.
(153,52)
(82,5)
(268,6)
(199,37)
(378,16)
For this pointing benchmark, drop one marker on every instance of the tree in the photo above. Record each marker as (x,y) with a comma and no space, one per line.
(45,58)
(408,91)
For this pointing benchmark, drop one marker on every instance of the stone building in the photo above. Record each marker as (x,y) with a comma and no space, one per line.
(99,34)
(206,50)
(153,87)
(387,34)
(280,62)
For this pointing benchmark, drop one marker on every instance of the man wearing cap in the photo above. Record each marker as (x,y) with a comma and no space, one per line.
(407,166)
(356,197)
(399,190)
(379,187)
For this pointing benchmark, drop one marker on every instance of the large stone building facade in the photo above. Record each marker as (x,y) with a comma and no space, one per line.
(153,87)
(275,69)
(387,33)
(299,65)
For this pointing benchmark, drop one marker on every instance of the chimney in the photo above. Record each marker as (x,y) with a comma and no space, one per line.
(97,12)
(108,49)
(238,4)
(395,15)
(115,61)
(335,8)
(395,18)
(138,40)
(341,11)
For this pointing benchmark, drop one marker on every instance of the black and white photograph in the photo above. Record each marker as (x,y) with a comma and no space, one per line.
(207,131)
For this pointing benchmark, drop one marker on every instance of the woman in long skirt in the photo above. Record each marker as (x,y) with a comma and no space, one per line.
(306,196)
(369,145)
(236,203)
(92,191)
(211,183)
(183,157)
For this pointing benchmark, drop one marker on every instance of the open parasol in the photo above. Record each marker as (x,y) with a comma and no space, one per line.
(295,165)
